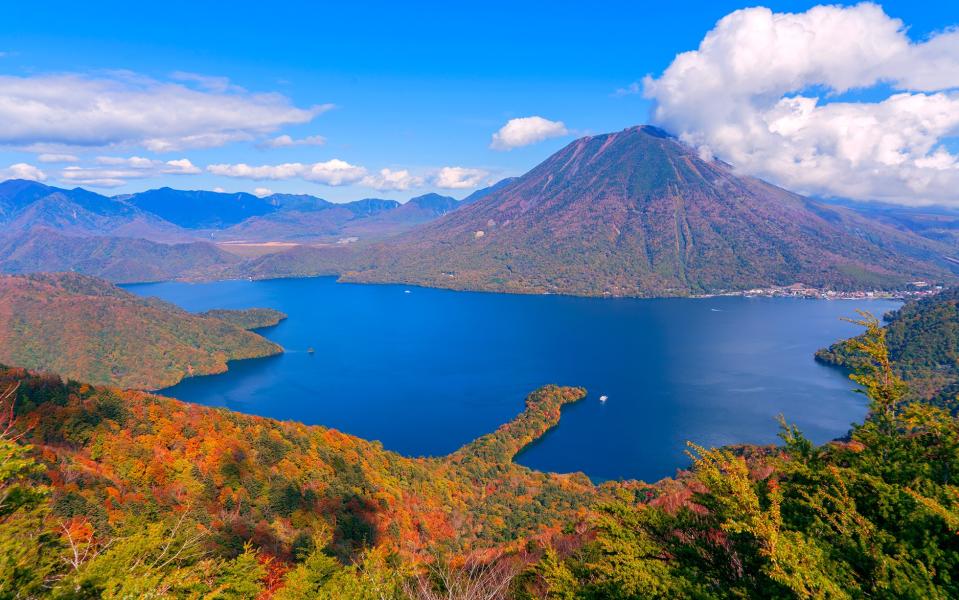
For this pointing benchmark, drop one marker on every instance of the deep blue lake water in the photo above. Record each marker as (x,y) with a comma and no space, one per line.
(427,371)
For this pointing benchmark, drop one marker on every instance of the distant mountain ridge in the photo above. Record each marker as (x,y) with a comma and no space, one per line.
(201,209)
(25,205)
(169,215)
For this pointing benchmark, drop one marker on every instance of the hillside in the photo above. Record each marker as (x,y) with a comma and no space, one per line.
(936,223)
(299,223)
(923,339)
(126,494)
(117,259)
(415,211)
(128,466)
(90,330)
(639,213)
(486,191)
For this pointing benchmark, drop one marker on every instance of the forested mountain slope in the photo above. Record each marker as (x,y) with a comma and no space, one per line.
(90,330)
(237,500)
(923,338)
(117,259)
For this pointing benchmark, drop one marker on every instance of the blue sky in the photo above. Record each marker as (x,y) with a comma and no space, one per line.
(416,86)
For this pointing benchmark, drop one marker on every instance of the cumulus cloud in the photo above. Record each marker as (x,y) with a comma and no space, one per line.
(526,131)
(57,158)
(180,166)
(22,171)
(764,91)
(285,141)
(458,178)
(262,192)
(71,110)
(333,172)
(388,179)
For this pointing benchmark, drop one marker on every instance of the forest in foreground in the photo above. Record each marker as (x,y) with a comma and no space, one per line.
(120,494)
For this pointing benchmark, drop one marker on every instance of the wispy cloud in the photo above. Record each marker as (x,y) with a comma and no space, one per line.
(285,141)
(630,90)
(58,158)
(114,171)
(122,108)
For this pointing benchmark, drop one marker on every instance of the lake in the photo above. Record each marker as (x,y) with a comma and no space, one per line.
(425,371)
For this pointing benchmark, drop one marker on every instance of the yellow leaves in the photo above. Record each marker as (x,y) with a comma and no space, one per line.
(949,513)
(801,566)
(884,388)
(745,512)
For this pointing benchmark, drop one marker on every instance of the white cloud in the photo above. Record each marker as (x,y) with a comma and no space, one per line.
(388,179)
(458,178)
(22,171)
(262,192)
(747,96)
(114,171)
(285,141)
(146,167)
(71,110)
(526,131)
(99,177)
(333,172)
(57,158)
(180,166)
(219,190)
(245,171)
(134,162)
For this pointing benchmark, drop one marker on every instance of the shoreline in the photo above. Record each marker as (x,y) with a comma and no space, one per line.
(804,292)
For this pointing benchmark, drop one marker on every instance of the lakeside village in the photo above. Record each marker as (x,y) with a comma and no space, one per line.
(915,289)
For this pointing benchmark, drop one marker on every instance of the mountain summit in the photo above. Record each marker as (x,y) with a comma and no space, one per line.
(638,212)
